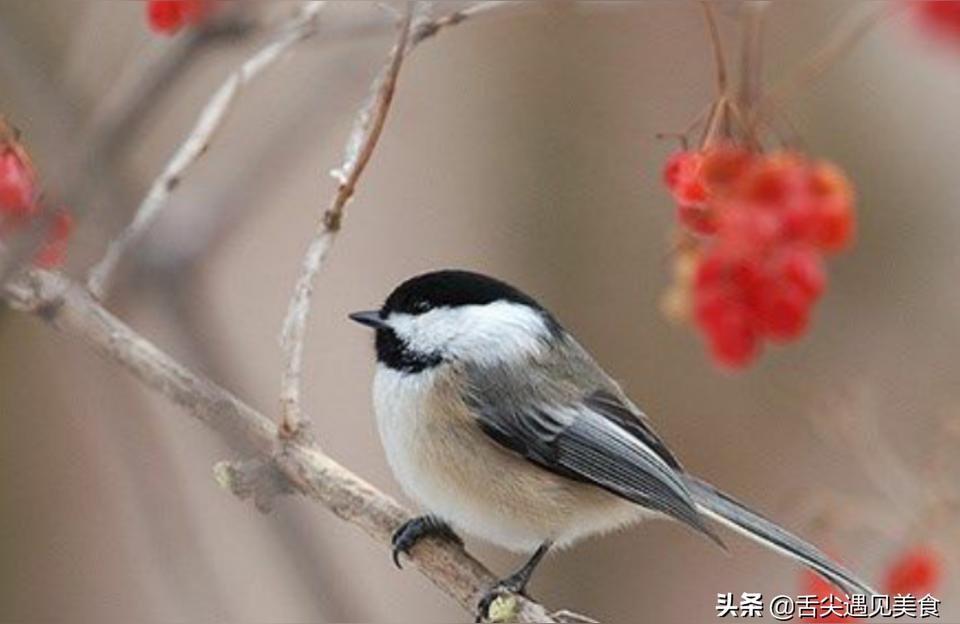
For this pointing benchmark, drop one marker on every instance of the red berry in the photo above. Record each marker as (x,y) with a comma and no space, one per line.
(698,218)
(942,16)
(721,309)
(831,209)
(732,338)
(743,229)
(803,269)
(165,16)
(169,16)
(16,185)
(682,177)
(54,249)
(677,168)
(832,226)
(711,270)
(784,311)
(815,585)
(774,181)
(798,220)
(709,307)
(915,571)
(723,166)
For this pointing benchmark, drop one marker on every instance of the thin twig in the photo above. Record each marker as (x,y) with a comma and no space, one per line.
(855,427)
(430,28)
(841,42)
(713,127)
(366,131)
(97,153)
(361,143)
(716,44)
(215,112)
(751,55)
(300,468)
(683,136)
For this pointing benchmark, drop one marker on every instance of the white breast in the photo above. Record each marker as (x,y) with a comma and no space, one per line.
(443,461)
(397,399)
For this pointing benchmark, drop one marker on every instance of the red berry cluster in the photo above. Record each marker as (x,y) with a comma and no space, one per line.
(942,16)
(761,224)
(169,16)
(19,205)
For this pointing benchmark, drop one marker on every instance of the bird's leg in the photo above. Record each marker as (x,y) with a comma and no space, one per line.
(516,583)
(412,531)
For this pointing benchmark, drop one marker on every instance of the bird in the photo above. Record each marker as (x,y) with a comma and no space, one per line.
(502,426)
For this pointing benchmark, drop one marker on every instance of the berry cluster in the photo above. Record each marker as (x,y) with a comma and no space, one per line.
(916,571)
(941,16)
(169,16)
(19,205)
(760,225)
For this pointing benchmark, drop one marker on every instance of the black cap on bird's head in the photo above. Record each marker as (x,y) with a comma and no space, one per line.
(448,289)
(452,288)
(444,289)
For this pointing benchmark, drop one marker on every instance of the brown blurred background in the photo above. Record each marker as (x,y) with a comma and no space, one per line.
(520,144)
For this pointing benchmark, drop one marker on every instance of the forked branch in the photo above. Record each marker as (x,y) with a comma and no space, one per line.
(300,468)
(368,125)
(367,128)
(198,141)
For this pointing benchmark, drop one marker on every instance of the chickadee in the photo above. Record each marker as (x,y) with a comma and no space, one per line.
(499,423)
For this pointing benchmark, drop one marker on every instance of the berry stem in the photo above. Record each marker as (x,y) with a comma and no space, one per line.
(716,44)
(751,57)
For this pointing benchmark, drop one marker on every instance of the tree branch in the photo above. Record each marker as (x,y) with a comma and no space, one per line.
(215,112)
(429,28)
(274,464)
(367,127)
(292,466)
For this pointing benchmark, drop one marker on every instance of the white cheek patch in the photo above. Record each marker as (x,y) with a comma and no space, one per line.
(480,333)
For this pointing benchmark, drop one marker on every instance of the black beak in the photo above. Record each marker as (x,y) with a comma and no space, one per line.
(370,318)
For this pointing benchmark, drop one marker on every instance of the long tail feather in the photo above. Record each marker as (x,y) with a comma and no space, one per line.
(722,508)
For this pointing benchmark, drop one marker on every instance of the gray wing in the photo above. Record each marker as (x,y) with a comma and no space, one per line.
(569,420)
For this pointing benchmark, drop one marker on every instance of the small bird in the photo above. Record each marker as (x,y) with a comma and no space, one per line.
(500,424)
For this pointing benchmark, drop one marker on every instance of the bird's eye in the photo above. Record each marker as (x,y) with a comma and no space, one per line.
(421,306)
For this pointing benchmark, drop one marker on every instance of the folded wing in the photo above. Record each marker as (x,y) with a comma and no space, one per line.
(579,437)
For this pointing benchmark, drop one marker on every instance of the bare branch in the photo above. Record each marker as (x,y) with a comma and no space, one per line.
(71,177)
(215,112)
(429,28)
(361,143)
(367,128)
(273,466)
(303,468)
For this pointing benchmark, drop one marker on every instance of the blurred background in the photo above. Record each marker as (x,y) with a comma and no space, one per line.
(522,144)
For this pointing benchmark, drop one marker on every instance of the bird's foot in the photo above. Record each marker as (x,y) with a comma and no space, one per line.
(511,586)
(412,531)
